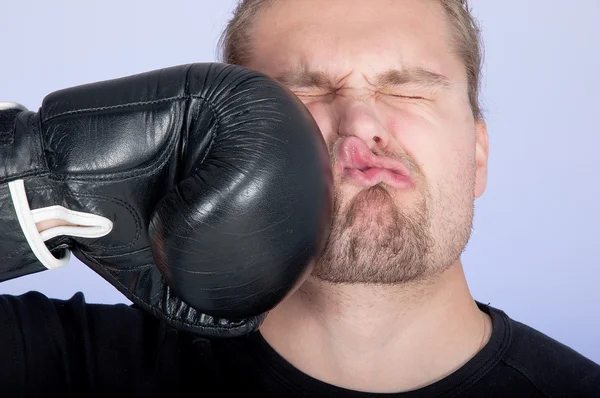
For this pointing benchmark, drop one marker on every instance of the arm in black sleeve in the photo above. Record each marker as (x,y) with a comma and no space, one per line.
(72,348)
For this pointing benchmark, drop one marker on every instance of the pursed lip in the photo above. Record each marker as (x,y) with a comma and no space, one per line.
(361,167)
(374,176)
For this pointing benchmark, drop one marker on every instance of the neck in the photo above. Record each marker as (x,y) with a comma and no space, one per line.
(379,338)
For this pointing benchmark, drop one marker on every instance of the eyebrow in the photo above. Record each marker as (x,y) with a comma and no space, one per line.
(418,76)
(304,78)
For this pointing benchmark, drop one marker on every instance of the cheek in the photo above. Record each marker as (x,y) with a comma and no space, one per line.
(418,137)
(325,118)
(443,148)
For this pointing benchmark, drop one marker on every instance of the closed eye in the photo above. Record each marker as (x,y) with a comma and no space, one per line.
(309,98)
(312,95)
(406,96)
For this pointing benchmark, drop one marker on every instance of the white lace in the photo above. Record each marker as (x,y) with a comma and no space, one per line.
(86,225)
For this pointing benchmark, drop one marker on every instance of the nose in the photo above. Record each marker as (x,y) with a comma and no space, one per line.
(358,119)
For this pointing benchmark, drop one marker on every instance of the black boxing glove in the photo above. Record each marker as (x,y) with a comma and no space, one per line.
(201,192)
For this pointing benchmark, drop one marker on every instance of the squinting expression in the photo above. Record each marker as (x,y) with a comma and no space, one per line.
(382,81)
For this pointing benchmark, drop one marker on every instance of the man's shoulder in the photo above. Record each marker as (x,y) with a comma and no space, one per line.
(551,366)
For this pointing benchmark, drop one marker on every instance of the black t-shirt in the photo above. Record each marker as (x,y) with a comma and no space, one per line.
(69,348)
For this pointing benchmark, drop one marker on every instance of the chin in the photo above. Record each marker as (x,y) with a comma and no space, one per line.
(378,202)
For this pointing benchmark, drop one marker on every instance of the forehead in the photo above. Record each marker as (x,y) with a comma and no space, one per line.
(340,37)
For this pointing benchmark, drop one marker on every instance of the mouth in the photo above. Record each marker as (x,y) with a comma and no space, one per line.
(375,175)
(359,166)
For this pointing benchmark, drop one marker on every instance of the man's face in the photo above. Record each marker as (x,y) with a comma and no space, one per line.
(391,100)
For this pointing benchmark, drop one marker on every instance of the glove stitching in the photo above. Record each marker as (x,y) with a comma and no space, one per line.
(131,104)
(102,108)
(160,163)
(31,173)
(155,167)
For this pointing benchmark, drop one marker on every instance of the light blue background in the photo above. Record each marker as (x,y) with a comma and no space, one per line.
(535,250)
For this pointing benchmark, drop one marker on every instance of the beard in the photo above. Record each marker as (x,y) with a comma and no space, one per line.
(372,241)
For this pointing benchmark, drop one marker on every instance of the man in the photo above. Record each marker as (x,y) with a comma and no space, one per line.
(393,86)
(388,309)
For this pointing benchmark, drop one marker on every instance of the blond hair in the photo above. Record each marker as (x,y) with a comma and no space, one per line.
(234,48)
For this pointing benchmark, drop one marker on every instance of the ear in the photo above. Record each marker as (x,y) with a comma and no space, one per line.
(481,157)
